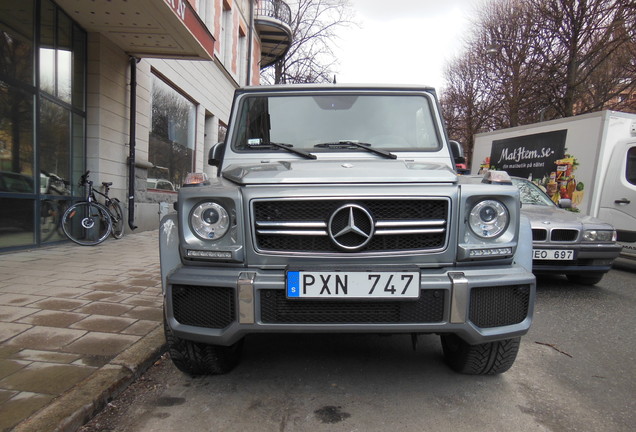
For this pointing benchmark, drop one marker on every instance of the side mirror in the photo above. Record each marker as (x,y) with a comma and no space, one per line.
(216,154)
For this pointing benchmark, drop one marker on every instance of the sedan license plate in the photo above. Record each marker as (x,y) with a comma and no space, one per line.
(351,284)
(553,254)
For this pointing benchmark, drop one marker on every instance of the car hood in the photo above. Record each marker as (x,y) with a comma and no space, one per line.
(556,216)
(326,171)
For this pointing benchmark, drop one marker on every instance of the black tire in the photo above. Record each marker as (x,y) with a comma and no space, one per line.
(484,359)
(585,279)
(85,224)
(195,358)
(117,216)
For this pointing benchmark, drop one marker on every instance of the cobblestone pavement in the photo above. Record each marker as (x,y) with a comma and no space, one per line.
(77,324)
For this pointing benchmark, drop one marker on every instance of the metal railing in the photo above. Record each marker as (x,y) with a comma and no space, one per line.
(274,9)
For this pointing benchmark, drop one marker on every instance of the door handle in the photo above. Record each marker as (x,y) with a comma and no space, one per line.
(622,201)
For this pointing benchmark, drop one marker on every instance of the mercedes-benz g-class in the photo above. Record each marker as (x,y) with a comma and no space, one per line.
(337,209)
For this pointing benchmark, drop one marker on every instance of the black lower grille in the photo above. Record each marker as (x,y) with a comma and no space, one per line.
(499,306)
(203,306)
(276,308)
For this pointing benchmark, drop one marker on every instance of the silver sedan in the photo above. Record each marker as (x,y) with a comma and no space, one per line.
(563,242)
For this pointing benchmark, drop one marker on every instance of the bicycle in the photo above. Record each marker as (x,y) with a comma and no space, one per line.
(89,222)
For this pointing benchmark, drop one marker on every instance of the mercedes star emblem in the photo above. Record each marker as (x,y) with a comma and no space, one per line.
(351,227)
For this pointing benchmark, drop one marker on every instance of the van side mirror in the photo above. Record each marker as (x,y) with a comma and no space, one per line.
(216,154)
(456,150)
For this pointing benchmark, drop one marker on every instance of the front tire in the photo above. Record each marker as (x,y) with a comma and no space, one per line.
(585,279)
(484,359)
(195,358)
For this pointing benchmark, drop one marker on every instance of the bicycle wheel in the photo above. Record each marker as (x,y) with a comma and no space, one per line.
(87,224)
(117,216)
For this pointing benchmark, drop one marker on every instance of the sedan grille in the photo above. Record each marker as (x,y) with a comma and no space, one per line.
(390,225)
(564,235)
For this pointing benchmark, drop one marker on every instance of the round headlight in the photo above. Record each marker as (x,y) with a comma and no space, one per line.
(209,221)
(488,219)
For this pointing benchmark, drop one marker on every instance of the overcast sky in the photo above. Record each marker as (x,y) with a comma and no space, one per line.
(402,41)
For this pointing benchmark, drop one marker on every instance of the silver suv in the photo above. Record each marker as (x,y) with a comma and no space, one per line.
(338,209)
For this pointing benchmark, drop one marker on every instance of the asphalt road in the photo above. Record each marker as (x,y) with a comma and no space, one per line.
(576,371)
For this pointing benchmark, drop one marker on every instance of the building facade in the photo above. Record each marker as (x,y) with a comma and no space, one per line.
(135,91)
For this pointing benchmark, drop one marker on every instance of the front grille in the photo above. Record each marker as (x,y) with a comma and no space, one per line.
(302,225)
(277,309)
(203,306)
(499,306)
(564,235)
(539,234)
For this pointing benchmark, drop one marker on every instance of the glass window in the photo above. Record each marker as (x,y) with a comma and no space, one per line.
(16,219)
(172,137)
(79,61)
(64,57)
(54,139)
(390,122)
(47,47)
(630,172)
(16,133)
(16,41)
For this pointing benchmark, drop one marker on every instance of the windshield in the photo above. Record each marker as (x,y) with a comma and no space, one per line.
(392,122)
(531,193)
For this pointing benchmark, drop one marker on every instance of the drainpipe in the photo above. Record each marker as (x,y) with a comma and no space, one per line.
(249,46)
(131,156)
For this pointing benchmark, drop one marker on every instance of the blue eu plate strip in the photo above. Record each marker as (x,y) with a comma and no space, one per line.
(293,284)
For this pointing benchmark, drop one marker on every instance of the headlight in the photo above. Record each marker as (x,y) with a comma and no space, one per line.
(209,221)
(488,219)
(599,236)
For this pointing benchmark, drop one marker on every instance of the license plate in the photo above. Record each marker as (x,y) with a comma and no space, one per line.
(324,284)
(553,254)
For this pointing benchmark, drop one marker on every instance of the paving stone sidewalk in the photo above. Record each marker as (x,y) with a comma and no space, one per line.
(77,325)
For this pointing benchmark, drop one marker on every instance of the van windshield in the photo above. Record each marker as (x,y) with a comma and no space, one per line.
(315,122)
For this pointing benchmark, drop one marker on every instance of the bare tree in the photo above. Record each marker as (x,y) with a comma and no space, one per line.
(541,59)
(584,42)
(467,105)
(310,57)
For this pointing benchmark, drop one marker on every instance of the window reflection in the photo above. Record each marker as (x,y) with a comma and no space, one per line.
(171,146)
(16,132)
(16,41)
(16,221)
(54,139)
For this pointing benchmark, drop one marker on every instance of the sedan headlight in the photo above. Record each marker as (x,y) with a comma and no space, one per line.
(488,219)
(599,235)
(209,221)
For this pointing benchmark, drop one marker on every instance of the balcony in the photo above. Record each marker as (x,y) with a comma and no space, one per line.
(146,28)
(272,20)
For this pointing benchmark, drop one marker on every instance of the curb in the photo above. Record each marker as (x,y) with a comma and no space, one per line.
(76,407)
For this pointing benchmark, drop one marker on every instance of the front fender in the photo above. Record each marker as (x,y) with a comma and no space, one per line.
(168,247)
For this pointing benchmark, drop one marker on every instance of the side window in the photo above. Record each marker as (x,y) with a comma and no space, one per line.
(630,172)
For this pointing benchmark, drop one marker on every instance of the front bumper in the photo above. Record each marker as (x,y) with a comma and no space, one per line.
(587,259)
(223,304)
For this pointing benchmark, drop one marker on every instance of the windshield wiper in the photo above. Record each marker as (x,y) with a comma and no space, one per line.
(288,147)
(356,144)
